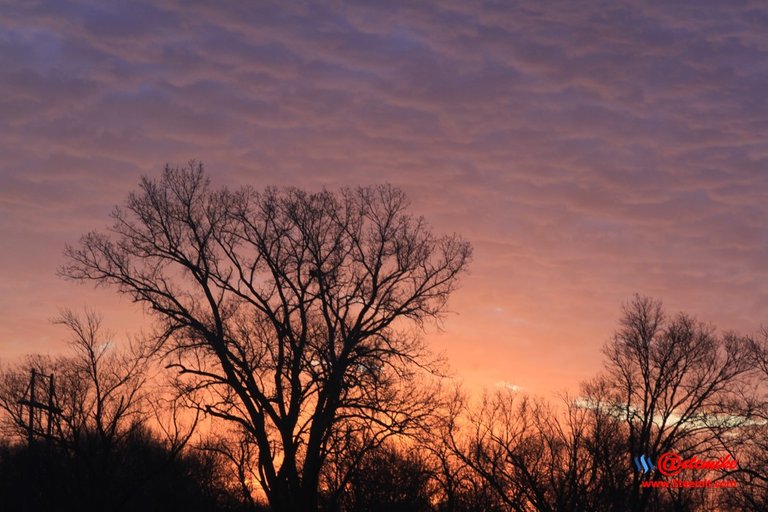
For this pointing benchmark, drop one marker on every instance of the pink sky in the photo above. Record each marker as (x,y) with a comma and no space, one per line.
(588,150)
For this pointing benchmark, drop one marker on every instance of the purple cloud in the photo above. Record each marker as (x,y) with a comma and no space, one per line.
(588,150)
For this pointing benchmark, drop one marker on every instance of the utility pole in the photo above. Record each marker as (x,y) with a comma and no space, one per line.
(37,407)
(31,428)
(51,394)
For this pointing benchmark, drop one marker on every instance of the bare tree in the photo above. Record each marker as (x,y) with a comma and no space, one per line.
(114,379)
(670,383)
(482,439)
(675,383)
(532,456)
(99,403)
(98,387)
(292,312)
(461,487)
(237,449)
(750,445)
(389,478)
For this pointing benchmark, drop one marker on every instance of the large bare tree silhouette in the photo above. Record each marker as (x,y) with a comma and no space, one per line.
(293,315)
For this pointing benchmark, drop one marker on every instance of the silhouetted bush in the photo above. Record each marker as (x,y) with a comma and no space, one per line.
(138,474)
(387,479)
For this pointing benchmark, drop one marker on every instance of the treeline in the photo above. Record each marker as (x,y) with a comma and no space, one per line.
(101,436)
(286,369)
(138,473)
(120,440)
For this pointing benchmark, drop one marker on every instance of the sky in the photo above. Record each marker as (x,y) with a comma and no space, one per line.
(588,150)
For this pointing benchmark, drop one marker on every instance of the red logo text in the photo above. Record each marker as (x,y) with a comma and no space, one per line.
(671,464)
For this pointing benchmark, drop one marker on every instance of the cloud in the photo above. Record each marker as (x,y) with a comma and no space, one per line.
(588,151)
(508,386)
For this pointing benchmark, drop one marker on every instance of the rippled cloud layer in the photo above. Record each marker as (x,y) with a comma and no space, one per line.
(589,150)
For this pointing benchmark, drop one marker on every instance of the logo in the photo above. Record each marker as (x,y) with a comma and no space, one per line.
(644,464)
(671,464)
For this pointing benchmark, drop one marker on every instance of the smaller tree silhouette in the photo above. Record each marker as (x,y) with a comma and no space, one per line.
(670,383)
(387,478)
(102,455)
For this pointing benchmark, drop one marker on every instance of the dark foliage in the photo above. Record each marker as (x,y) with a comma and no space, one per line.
(387,479)
(138,474)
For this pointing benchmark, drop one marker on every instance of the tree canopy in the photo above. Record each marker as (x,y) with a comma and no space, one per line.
(293,315)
